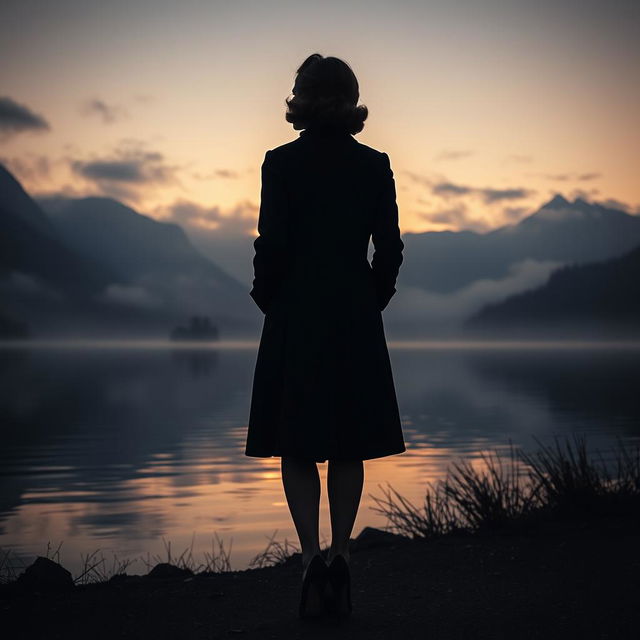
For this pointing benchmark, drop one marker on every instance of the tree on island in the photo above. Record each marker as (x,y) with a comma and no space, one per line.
(200,328)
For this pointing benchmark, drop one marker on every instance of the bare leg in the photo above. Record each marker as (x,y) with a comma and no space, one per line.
(301,482)
(345,479)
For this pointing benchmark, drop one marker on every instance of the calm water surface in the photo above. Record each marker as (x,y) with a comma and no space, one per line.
(125,446)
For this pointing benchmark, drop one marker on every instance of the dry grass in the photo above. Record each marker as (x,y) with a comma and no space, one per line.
(274,554)
(492,497)
(11,566)
(97,568)
(434,518)
(215,561)
(277,553)
(557,481)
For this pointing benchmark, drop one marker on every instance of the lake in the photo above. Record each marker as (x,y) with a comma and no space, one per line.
(127,446)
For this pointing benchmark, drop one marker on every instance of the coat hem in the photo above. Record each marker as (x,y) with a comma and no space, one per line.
(367,456)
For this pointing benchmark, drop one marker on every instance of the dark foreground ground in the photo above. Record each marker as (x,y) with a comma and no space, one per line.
(571,580)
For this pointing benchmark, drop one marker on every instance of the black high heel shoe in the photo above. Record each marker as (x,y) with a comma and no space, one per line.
(313,587)
(339,602)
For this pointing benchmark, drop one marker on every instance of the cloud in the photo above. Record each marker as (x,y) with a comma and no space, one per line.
(447,216)
(564,177)
(612,203)
(240,220)
(135,295)
(16,118)
(457,217)
(449,188)
(228,174)
(430,308)
(166,292)
(494,195)
(129,168)
(109,113)
(583,193)
(489,195)
(589,176)
(452,208)
(454,155)
(65,191)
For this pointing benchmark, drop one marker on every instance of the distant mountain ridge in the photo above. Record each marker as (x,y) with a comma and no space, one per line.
(596,298)
(93,266)
(30,244)
(130,243)
(569,232)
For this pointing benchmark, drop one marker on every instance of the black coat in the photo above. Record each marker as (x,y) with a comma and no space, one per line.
(323,386)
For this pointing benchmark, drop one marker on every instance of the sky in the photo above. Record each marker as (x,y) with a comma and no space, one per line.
(486,108)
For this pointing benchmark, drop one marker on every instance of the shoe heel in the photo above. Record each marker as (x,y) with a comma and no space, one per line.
(313,586)
(340,582)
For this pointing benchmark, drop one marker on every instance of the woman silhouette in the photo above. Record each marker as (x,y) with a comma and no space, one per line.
(323,386)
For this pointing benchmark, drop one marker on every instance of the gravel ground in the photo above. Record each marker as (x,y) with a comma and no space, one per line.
(564,580)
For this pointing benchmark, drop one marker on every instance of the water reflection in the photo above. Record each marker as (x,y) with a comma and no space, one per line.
(118,448)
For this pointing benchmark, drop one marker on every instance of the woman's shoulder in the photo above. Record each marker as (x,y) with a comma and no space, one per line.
(376,153)
(294,147)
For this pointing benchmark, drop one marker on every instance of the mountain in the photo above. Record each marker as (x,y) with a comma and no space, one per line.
(41,278)
(30,246)
(157,267)
(560,231)
(93,267)
(596,299)
(131,244)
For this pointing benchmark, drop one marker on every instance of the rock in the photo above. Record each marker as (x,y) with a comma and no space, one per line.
(164,571)
(370,537)
(45,575)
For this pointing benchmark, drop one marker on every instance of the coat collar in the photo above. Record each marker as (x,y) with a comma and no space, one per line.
(318,131)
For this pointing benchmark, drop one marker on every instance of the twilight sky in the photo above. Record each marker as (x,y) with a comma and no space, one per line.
(485,107)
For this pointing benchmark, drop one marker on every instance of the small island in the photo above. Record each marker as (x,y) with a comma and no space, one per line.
(200,328)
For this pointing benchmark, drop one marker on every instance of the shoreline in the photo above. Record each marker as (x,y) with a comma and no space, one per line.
(411,344)
(557,579)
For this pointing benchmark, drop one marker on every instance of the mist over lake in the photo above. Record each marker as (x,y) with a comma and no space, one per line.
(125,446)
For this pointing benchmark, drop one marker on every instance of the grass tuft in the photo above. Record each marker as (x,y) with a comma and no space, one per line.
(556,481)
(274,554)
(433,519)
(11,566)
(492,497)
(96,569)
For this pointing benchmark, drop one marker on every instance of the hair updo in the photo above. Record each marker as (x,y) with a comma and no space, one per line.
(325,94)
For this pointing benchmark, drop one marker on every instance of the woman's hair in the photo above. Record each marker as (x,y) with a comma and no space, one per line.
(325,94)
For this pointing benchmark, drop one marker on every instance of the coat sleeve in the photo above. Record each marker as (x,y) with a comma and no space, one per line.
(388,246)
(269,262)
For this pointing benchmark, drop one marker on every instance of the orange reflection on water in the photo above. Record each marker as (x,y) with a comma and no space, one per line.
(170,501)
